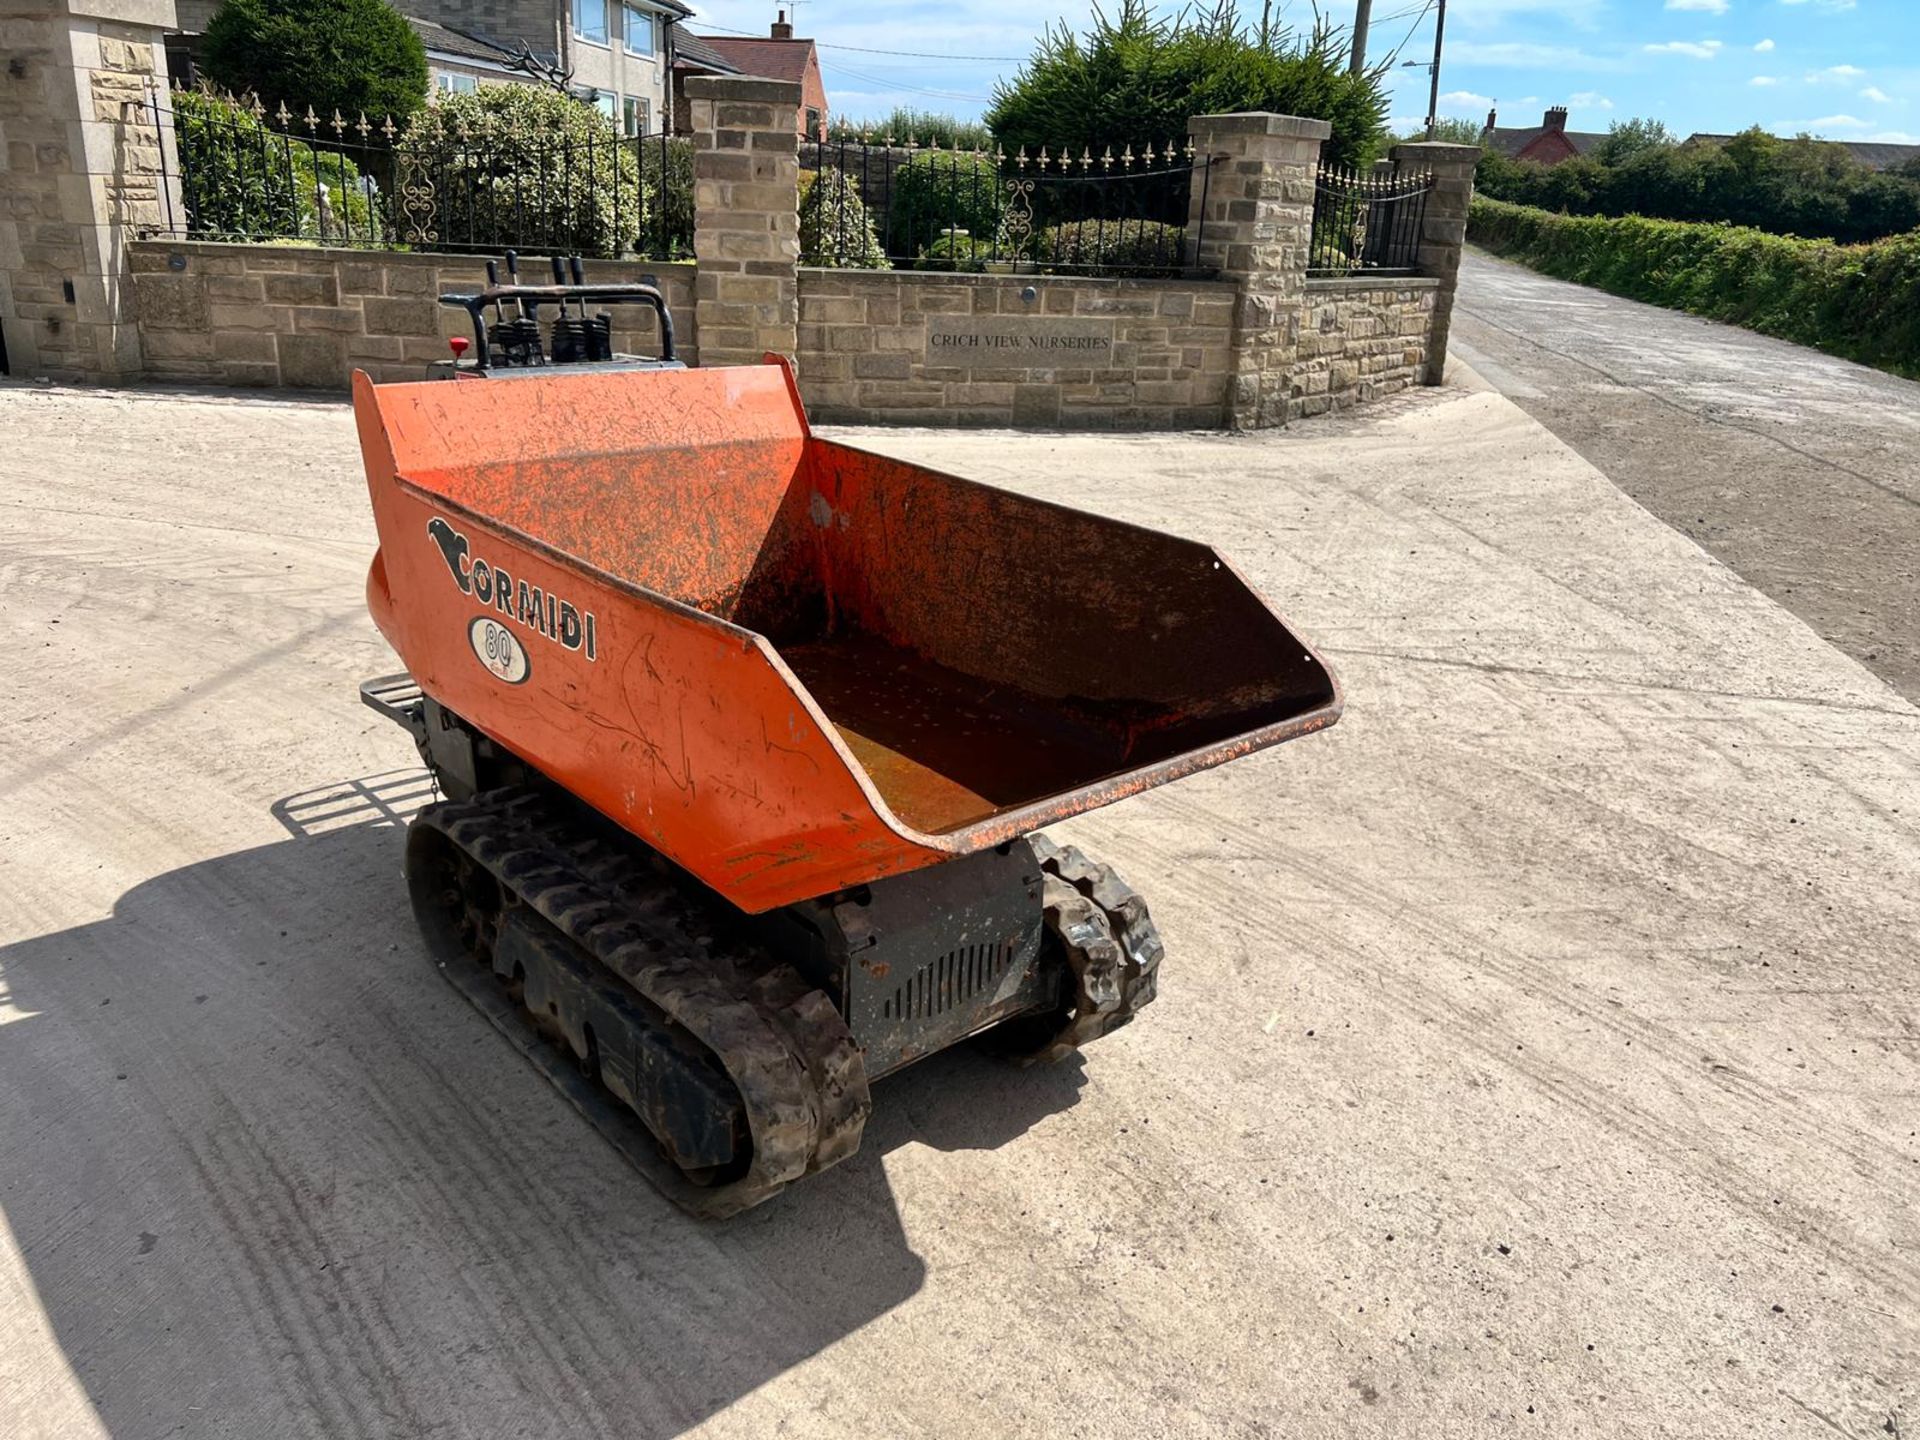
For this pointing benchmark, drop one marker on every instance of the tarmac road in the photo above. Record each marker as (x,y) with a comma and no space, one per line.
(1538,1050)
(1799,470)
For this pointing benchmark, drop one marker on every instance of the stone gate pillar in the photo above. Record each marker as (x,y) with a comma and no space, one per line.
(83,172)
(746,217)
(1251,219)
(1443,234)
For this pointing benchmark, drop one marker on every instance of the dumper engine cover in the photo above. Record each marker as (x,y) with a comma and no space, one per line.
(920,961)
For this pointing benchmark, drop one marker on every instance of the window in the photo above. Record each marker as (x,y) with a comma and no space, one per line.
(590,20)
(608,104)
(451,84)
(813,124)
(643,31)
(634,116)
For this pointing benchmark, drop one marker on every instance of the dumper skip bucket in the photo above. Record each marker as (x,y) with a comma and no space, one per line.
(788,664)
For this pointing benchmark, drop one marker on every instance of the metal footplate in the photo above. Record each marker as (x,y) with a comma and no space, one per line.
(399,698)
(713,1067)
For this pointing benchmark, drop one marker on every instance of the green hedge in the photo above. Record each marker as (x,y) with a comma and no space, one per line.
(1860,301)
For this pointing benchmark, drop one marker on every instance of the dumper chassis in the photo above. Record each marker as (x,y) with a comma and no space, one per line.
(713,937)
(710,1048)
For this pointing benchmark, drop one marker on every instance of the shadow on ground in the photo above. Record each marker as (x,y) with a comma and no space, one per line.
(271,1176)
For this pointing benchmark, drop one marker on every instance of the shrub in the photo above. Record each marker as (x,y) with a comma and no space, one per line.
(1860,301)
(1789,187)
(835,228)
(237,177)
(518,165)
(1125,247)
(1139,80)
(666,182)
(1449,129)
(937,191)
(354,56)
(957,250)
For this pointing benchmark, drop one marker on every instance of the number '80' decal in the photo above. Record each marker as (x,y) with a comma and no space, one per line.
(495,647)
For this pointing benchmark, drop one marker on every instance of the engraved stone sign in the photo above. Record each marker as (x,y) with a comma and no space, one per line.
(1018,342)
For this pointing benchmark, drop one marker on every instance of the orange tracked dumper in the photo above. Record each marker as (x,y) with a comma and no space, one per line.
(746,737)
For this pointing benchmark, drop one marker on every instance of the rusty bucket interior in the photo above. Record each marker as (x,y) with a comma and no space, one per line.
(977,651)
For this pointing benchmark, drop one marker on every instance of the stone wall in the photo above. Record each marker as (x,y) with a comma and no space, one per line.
(746,214)
(82,173)
(915,348)
(1252,222)
(1360,339)
(82,298)
(307,317)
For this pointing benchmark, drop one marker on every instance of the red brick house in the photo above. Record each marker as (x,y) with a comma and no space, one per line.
(1548,143)
(778,57)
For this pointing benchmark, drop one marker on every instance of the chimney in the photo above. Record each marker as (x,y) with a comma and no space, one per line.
(1556,118)
(782,28)
(1493,117)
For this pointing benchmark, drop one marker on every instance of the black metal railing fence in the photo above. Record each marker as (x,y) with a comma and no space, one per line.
(1367,224)
(932,208)
(431,184)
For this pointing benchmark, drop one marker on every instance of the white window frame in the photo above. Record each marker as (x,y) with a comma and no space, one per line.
(635,106)
(455,82)
(631,13)
(605,37)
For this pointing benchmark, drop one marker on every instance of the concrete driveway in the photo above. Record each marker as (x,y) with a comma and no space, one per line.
(1799,470)
(1537,1051)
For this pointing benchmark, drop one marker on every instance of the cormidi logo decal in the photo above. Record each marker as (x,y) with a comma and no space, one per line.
(545,614)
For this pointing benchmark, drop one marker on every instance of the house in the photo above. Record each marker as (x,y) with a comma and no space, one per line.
(778,57)
(1874,154)
(458,62)
(694,56)
(616,54)
(1547,143)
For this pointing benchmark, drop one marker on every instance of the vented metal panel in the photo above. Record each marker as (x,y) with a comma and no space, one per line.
(953,979)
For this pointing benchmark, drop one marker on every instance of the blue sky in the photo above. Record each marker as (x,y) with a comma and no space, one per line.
(1845,69)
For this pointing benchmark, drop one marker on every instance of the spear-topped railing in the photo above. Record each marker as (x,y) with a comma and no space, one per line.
(443,179)
(1367,223)
(1108,209)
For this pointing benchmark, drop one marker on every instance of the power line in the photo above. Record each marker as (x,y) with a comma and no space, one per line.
(889,84)
(1394,53)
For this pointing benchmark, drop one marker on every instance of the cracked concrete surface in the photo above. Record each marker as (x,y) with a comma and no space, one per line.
(1539,1047)
(1800,470)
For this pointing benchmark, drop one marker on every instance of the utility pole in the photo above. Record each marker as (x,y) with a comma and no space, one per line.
(1362,13)
(1433,90)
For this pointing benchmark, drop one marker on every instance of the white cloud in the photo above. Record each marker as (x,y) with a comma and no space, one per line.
(1823,4)
(1487,14)
(1524,55)
(1711,7)
(1589,100)
(1893,137)
(1877,95)
(1814,127)
(1835,75)
(1699,50)
(1764,80)
(1465,100)
(1763,47)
